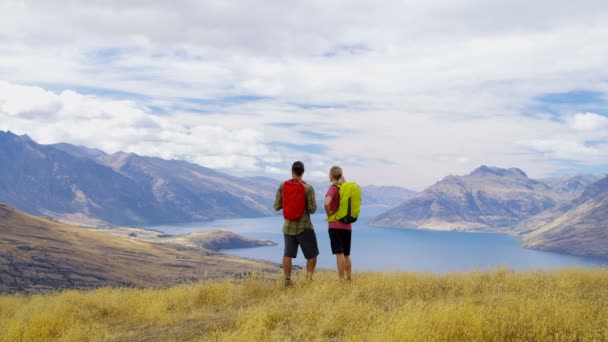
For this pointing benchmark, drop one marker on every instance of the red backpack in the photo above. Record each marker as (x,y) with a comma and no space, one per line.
(294,199)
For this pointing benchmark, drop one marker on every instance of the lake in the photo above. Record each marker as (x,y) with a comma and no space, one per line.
(392,249)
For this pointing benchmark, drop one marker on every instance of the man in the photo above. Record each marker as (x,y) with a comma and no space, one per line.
(297,199)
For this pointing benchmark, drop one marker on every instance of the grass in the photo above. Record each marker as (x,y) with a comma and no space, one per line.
(563,305)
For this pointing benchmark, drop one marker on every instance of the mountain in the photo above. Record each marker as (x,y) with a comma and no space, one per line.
(42,179)
(385,195)
(571,185)
(270,183)
(190,192)
(38,254)
(489,198)
(87,186)
(79,151)
(577,227)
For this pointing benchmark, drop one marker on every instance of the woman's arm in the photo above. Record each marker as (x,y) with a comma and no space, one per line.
(327,205)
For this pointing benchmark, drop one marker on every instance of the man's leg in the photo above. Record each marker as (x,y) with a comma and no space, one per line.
(310,267)
(308,242)
(290,252)
(287,267)
(340,263)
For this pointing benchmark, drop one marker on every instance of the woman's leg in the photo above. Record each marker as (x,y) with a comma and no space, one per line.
(347,266)
(341,264)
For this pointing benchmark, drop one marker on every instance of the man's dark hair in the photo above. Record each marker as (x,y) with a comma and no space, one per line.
(297,168)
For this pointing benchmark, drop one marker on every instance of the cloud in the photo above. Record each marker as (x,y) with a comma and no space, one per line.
(27,101)
(589,122)
(120,125)
(391,92)
(568,150)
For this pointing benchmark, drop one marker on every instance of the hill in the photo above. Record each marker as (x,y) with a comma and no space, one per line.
(566,305)
(189,192)
(488,198)
(38,254)
(577,227)
(89,187)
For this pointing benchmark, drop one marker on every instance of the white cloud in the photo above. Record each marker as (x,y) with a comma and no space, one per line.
(113,126)
(589,122)
(19,100)
(568,150)
(404,93)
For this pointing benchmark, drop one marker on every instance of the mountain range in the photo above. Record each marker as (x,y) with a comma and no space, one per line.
(579,226)
(87,186)
(567,214)
(487,198)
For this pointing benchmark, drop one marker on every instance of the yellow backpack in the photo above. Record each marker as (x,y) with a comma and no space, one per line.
(350,203)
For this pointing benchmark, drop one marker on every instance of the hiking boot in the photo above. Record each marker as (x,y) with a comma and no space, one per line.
(288,282)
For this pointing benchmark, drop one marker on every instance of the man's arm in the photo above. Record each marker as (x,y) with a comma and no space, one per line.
(278,201)
(311,201)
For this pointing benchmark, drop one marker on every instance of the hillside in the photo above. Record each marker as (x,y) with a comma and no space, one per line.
(487,199)
(37,254)
(86,186)
(43,180)
(566,305)
(191,192)
(577,227)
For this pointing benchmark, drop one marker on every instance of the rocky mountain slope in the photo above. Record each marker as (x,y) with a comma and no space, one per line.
(192,192)
(489,198)
(571,186)
(89,187)
(577,227)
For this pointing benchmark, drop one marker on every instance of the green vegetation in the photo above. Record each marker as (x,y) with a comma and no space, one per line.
(562,305)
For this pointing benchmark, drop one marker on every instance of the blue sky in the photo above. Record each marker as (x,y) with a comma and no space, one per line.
(392,94)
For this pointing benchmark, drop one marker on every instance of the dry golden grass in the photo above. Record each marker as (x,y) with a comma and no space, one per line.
(562,305)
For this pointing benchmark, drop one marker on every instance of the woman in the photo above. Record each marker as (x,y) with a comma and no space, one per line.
(339,232)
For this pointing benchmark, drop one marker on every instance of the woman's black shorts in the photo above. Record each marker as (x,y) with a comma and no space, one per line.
(340,240)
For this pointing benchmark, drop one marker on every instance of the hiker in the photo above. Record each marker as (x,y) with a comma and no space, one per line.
(297,199)
(340,233)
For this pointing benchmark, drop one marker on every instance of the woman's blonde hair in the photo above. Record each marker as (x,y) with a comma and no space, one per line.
(336,174)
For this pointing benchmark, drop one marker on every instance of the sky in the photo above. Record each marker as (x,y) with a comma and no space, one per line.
(396,92)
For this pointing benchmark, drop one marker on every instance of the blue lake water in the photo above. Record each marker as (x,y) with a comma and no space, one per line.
(391,249)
